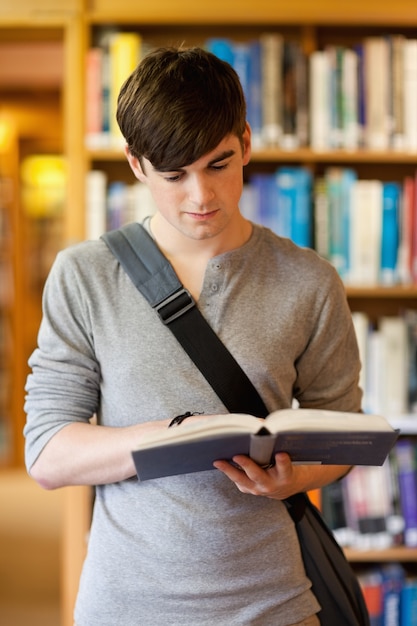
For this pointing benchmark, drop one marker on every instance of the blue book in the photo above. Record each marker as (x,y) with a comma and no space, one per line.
(245,60)
(405,456)
(254,95)
(116,204)
(391,195)
(221,47)
(266,199)
(340,182)
(295,203)
(408,613)
(393,578)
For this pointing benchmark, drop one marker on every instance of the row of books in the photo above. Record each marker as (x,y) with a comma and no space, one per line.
(375,507)
(366,228)
(339,97)
(388,352)
(109,205)
(390,595)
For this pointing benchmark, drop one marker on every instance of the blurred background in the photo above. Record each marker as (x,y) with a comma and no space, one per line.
(64,178)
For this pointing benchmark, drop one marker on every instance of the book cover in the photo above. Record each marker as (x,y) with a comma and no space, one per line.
(350,100)
(96,204)
(333,508)
(254,98)
(335,55)
(394,333)
(376,68)
(340,185)
(393,580)
(125,52)
(268,213)
(368,507)
(365,232)
(372,589)
(271,72)
(294,105)
(94,97)
(319,97)
(361,324)
(307,435)
(405,453)
(410,94)
(410,317)
(407,220)
(302,95)
(321,217)
(391,197)
(398,91)
(408,603)
(294,189)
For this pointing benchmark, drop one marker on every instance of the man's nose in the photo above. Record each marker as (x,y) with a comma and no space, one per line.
(200,191)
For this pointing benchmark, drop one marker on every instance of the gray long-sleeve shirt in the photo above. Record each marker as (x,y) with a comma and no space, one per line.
(189,550)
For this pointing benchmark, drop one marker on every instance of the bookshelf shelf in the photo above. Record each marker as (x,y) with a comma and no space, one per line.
(389,555)
(305,155)
(398,292)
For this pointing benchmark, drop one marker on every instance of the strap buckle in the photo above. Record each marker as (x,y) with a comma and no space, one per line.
(175,305)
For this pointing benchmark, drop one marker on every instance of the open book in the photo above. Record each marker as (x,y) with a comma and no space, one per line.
(307,435)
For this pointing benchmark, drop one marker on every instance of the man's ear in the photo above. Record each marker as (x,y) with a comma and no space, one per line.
(246,140)
(135,165)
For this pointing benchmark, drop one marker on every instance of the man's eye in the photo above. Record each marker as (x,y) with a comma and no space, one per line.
(219,167)
(173,179)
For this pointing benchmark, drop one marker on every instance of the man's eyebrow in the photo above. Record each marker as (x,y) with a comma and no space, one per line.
(224,155)
(220,157)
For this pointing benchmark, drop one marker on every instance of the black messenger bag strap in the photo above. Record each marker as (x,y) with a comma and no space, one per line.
(154,276)
(333,581)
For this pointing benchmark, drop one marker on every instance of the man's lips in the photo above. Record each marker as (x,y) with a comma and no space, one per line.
(203,216)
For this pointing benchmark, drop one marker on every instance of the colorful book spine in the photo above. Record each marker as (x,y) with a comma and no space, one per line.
(391,198)
(405,453)
(365,232)
(408,603)
(271,67)
(94,97)
(125,52)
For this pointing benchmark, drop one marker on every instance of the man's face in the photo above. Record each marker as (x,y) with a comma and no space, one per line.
(200,200)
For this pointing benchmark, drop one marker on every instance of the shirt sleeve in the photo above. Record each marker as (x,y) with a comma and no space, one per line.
(63,386)
(329,367)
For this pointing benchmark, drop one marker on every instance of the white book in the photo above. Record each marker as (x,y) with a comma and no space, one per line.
(410,94)
(377,93)
(398,91)
(395,391)
(96,204)
(365,232)
(350,121)
(140,203)
(271,73)
(375,373)
(361,324)
(320,114)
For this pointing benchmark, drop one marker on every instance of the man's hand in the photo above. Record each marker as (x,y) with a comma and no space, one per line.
(282,480)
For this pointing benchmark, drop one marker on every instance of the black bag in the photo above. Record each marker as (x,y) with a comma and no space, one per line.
(334,582)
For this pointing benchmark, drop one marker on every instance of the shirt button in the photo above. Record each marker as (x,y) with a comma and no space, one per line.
(214,287)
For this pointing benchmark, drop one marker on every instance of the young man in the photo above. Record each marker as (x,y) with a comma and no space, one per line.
(215,547)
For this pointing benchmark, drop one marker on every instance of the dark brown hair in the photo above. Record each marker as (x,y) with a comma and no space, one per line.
(178,105)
